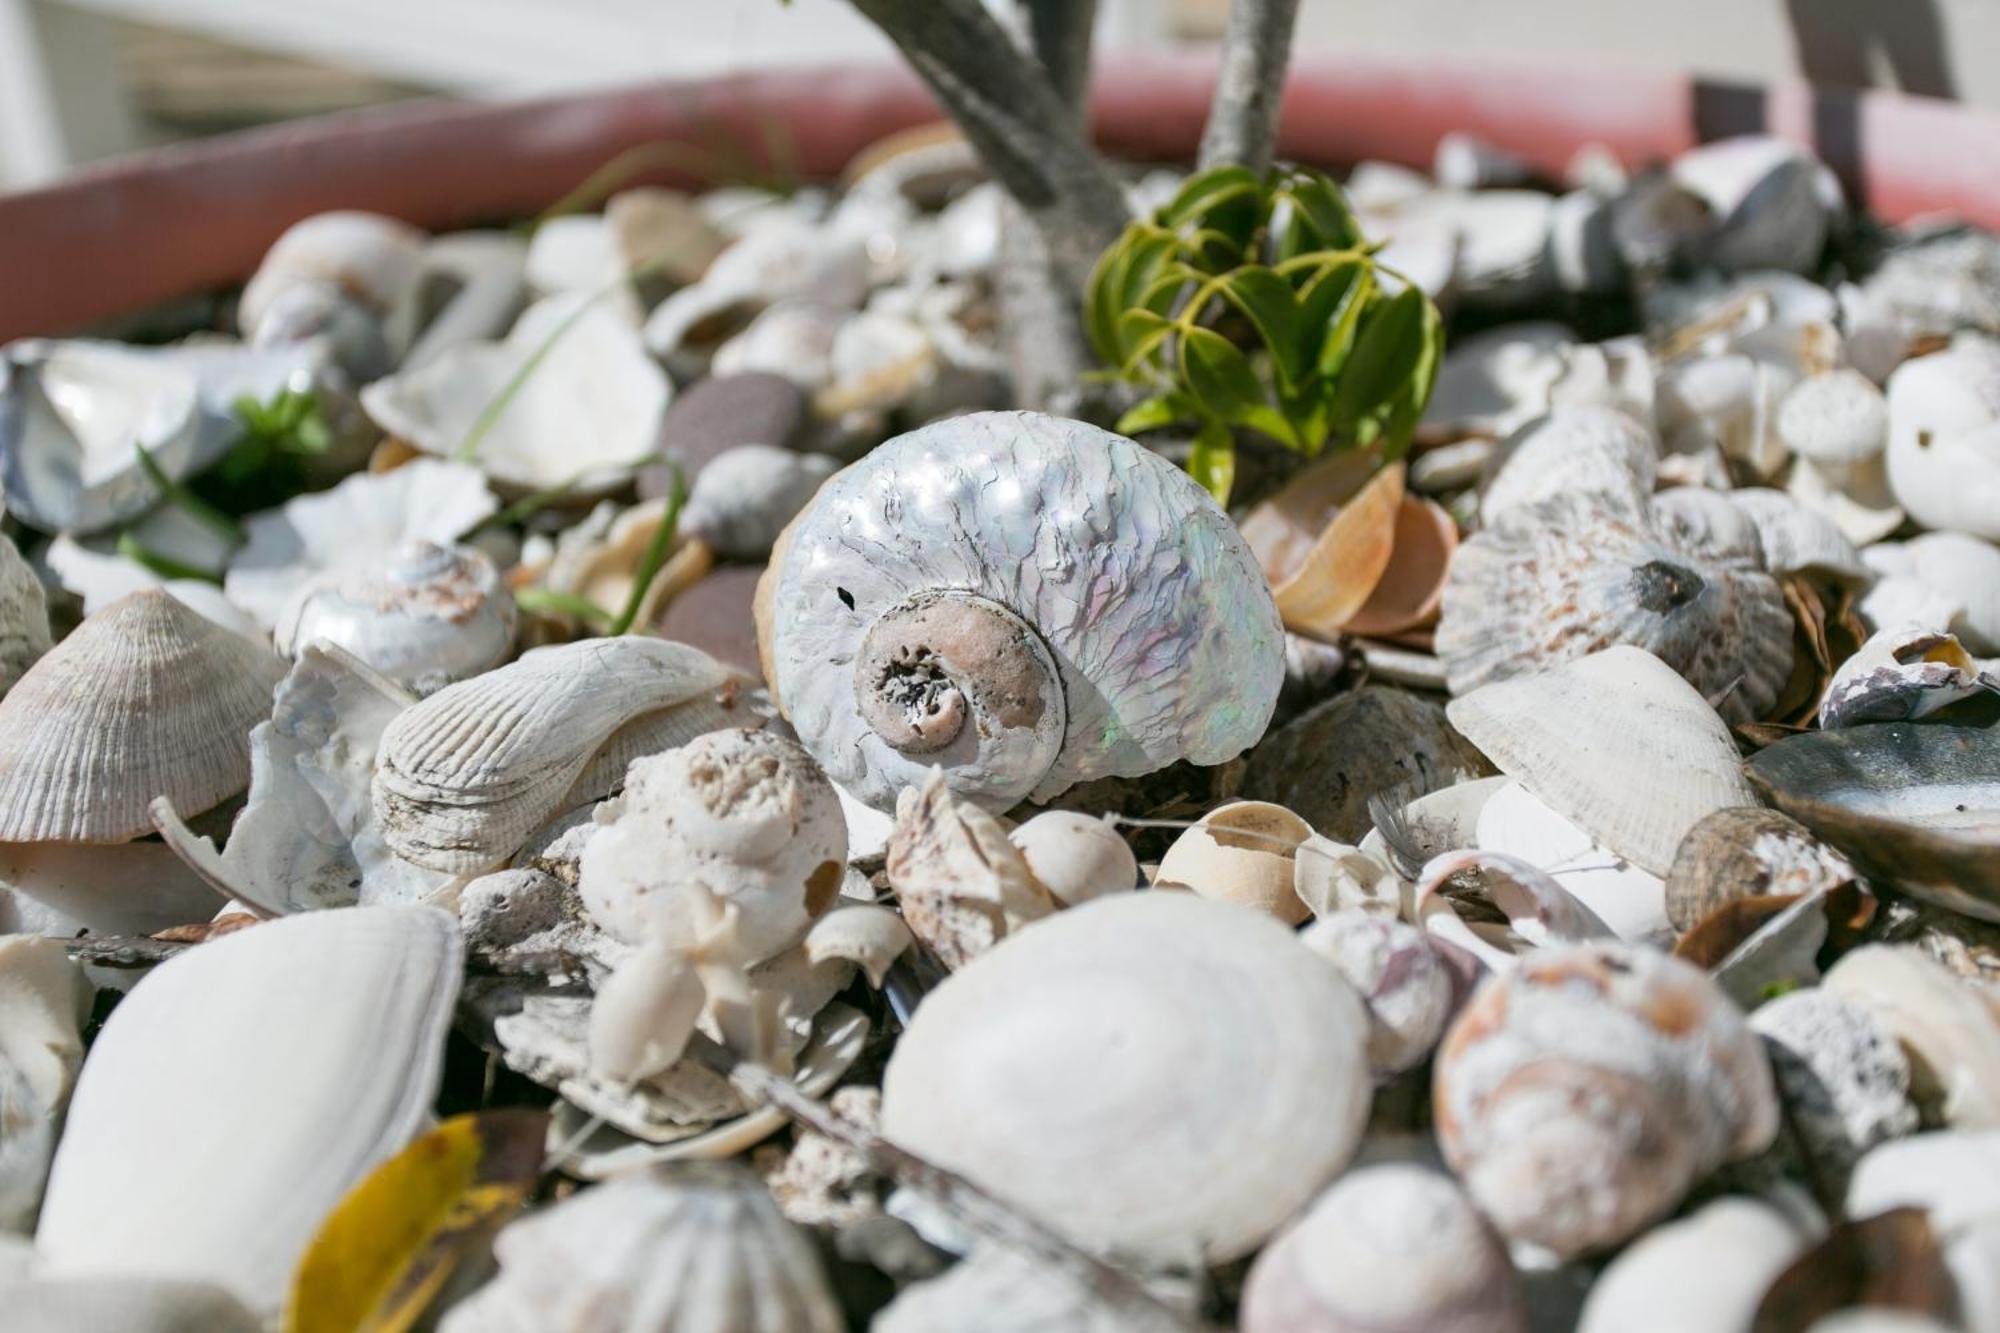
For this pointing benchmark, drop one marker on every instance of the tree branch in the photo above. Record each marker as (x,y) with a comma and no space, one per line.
(1243,118)
(1030,140)
(1059,35)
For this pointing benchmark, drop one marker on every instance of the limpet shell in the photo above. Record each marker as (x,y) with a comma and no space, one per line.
(1162,1019)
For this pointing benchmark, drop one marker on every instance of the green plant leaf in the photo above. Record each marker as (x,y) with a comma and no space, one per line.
(1212,461)
(1204,191)
(1330,310)
(656,551)
(1218,375)
(1320,213)
(548,602)
(1272,422)
(1101,299)
(1386,352)
(1162,409)
(165,566)
(197,509)
(1267,301)
(1401,425)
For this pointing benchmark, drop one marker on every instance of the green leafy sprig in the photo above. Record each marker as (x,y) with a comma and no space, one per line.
(1253,302)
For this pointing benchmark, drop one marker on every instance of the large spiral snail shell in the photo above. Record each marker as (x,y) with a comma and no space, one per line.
(1025,602)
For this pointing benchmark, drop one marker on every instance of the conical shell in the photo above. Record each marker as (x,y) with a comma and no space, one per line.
(1114,1069)
(465,776)
(1617,743)
(242,1088)
(692,1247)
(1549,582)
(144,699)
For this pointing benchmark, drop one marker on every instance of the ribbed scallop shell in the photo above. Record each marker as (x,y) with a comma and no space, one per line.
(466,775)
(1550,582)
(1159,621)
(1614,742)
(692,1247)
(1571,449)
(146,698)
(24,616)
(1150,1073)
(242,1089)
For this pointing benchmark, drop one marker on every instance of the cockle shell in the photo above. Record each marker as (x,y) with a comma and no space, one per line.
(1747,852)
(583,400)
(1615,742)
(1597,449)
(44,1003)
(745,496)
(144,699)
(1075,857)
(1549,582)
(351,525)
(1944,438)
(1129,621)
(1902,671)
(425,616)
(694,1247)
(1190,1027)
(1707,523)
(746,816)
(306,838)
(1387,1249)
(1764,194)
(961,884)
(1581,1094)
(24,616)
(1407,988)
(304,1052)
(1242,853)
(1705,1273)
(464,777)
(1949,1028)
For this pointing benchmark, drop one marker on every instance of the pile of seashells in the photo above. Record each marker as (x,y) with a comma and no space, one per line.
(940,871)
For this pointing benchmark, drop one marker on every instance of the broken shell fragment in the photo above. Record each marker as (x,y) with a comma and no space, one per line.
(1627,900)
(955,568)
(1798,540)
(1535,912)
(1406,986)
(1957,577)
(1747,852)
(1388,1249)
(276,1101)
(424,617)
(1325,540)
(695,1247)
(1950,1030)
(1842,1076)
(44,1004)
(1617,743)
(1162,1018)
(1581,1094)
(464,777)
(961,885)
(1242,853)
(1075,857)
(870,936)
(1704,1273)
(1903,672)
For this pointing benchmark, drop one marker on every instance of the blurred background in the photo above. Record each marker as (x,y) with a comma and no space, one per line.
(86,79)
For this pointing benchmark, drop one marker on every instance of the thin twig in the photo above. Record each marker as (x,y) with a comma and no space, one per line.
(975,1207)
(122,950)
(1243,117)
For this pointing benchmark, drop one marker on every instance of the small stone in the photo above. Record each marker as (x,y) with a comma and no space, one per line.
(1841,1074)
(719,413)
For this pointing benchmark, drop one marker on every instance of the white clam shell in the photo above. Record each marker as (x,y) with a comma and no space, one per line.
(44,1003)
(1388,1249)
(304,1052)
(1193,1028)
(351,525)
(1630,901)
(694,1247)
(144,699)
(65,889)
(307,838)
(24,616)
(1617,743)
(1140,589)
(584,404)
(744,497)
(126,1304)
(1548,583)
(466,775)
(1944,438)
(423,615)
(1701,1274)
(1944,574)
(1572,449)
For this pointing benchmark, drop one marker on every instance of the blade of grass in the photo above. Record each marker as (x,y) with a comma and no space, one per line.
(656,552)
(163,565)
(217,522)
(547,602)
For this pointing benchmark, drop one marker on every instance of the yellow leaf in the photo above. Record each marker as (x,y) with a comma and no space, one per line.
(382,1255)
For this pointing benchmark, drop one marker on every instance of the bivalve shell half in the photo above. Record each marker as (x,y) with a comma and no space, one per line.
(1597,449)
(465,776)
(1615,742)
(262,1073)
(144,699)
(1193,1028)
